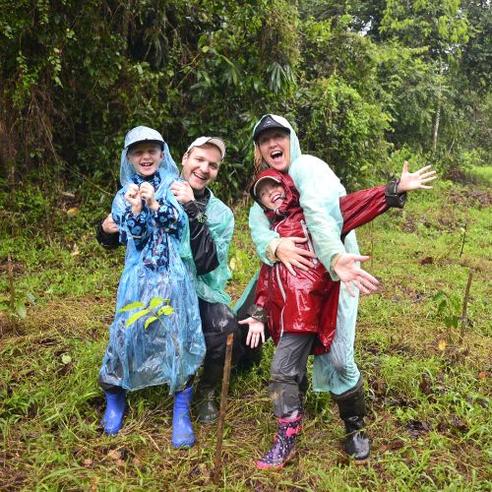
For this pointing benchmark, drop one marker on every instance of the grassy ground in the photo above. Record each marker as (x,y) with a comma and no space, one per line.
(429,393)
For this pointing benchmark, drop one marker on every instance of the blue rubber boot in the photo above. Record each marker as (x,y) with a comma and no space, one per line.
(115,410)
(183,436)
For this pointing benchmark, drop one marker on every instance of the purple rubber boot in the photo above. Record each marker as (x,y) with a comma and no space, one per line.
(283,448)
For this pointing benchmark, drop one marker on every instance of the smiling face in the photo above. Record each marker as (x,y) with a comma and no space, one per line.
(201,166)
(270,193)
(145,158)
(274,147)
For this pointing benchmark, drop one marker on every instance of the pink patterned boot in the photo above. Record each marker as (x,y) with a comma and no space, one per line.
(283,448)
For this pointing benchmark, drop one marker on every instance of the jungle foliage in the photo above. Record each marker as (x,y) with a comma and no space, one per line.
(362,80)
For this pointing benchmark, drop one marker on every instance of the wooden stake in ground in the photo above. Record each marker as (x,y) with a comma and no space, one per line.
(465,306)
(223,405)
(463,239)
(10,277)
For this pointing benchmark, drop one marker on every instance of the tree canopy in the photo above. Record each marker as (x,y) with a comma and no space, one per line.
(362,80)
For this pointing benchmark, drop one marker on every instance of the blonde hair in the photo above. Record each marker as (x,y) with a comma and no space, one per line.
(259,163)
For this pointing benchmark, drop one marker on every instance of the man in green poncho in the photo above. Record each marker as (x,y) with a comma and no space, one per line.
(211,227)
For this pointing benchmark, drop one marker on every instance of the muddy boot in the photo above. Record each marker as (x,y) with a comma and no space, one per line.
(352,409)
(183,436)
(206,406)
(283,448)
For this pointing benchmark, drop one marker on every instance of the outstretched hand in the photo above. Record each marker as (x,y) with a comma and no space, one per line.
(255,333)
(415,181)
(350,273)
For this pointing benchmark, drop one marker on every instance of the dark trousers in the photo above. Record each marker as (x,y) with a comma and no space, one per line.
(288,373)
(217,322)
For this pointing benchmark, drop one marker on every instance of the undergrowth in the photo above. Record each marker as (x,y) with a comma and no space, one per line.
(429,391)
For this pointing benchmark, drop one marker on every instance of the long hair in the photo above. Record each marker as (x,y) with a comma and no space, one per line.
(259,163)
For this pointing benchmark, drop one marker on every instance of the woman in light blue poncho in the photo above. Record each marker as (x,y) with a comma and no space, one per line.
(277,147)
(168,350)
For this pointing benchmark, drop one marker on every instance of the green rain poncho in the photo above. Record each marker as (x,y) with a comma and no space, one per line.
(320,191)
(210,287)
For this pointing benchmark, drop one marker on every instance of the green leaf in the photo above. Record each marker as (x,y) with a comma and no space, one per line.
(132,305)
(155,302)
(165,311)
(150,320)
(20,309)
(136,316)
(451,321)
(66,359)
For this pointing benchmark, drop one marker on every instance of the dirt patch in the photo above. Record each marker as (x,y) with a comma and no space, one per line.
(14,266)
(10,326)
(470,197)
(417,428)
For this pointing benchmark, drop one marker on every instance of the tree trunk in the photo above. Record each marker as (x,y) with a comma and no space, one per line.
(435,131)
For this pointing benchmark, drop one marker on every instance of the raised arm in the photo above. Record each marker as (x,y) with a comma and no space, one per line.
(320,191)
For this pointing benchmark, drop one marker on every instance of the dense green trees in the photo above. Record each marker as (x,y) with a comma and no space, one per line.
(361,79)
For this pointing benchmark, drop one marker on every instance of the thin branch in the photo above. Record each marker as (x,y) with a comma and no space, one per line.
(223,405)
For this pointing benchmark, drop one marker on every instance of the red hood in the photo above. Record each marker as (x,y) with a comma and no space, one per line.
(292,195)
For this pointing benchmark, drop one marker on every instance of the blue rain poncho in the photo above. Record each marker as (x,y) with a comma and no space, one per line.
(220,221)
(320,190)
(168,351)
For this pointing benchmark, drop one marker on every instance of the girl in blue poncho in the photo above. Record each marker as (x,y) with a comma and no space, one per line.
(152,225)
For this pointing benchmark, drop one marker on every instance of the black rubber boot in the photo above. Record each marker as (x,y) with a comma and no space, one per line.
(352,407)
(206,406)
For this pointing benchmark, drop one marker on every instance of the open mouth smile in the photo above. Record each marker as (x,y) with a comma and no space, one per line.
(277,197)
(201,178)
(276,155)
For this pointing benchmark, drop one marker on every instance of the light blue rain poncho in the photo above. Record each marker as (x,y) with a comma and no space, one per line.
(168,351)
(320,191)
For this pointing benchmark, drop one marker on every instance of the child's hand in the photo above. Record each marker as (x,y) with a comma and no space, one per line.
(132,196)
(415,181)
(147,193)
(256,330)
